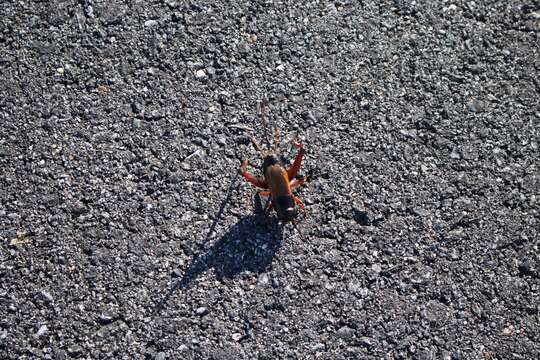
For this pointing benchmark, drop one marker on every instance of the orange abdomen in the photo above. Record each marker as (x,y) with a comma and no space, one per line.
(278,181)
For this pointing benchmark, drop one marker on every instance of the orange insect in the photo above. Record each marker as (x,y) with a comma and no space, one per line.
(278,182)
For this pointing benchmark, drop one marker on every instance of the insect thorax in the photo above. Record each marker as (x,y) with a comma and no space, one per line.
(269,160)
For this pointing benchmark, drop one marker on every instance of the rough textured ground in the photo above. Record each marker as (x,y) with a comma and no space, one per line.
(125,233)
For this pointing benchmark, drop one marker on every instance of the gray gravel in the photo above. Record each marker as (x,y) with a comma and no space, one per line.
(125,232)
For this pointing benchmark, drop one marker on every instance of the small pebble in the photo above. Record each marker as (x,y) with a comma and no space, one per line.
(42,330)
(176,273)
(376,268)
(366,341)
(74,350)
(47,296)
(201,311)
(153,114)
(361,217)
(354,286)
(222,140)
(455,154)
(106,318)
(446,355)
(185,166)
(364,292)
(345,332)
(290,290)
(263,280)
(475,106)
(150,23)
(508,331)
(200,74)
(171,3)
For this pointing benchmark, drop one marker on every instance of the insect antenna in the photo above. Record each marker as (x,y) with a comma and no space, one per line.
(276,140)
(262,110)
(255,144)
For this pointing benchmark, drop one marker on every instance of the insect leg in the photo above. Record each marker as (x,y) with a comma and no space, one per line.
(262,108)
(295,224)
(299,203)
(269,208)
(293,170)
(296,183)
(257,181)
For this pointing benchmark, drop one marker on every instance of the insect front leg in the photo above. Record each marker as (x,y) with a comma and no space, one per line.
(257,181)
(293,170)
(296,183)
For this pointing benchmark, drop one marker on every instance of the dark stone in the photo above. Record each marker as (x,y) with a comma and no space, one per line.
(361,217)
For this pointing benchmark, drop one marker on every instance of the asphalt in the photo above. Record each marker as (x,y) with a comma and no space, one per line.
(126,233)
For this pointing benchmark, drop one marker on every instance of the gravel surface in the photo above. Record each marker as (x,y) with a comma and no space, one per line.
(125,232)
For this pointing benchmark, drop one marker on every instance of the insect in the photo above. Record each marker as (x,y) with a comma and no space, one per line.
(278,182)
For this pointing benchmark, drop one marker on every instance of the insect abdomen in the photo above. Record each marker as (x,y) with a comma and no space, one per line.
(277,180)
(285,209)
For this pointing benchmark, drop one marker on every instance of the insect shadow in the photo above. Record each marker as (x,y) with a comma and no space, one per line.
(249,245)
